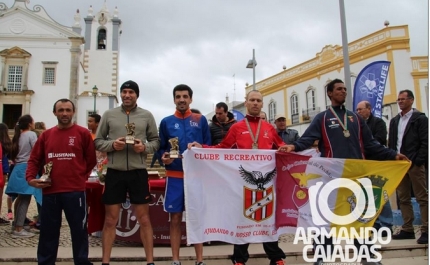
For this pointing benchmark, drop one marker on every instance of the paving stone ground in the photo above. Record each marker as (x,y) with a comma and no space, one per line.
(65,241)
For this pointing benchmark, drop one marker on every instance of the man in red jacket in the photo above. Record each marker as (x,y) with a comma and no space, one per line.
(71,150)
(252,133)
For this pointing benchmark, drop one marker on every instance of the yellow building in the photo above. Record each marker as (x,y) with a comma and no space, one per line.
(299,92)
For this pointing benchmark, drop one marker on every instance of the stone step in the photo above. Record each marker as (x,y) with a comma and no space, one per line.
(215,254)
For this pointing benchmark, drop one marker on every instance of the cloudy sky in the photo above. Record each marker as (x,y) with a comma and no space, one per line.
(204,43)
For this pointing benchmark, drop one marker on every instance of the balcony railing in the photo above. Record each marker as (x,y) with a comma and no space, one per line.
(295,118)
(13,88)
(309,114)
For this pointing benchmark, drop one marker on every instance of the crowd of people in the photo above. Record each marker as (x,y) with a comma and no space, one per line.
(337,132)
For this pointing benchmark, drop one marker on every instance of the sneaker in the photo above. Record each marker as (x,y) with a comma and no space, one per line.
(384,233)
(278,262)
(424,238)
(239,263)
(22,234)
(404,235)
(365,262)
(4,221)
(200,263)
(10,215)
(176,263)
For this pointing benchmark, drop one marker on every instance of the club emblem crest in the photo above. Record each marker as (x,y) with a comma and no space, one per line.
(259,202)
(300,194)
(380,197)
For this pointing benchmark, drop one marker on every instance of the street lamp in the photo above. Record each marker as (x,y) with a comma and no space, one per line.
(95,90)
(252,64)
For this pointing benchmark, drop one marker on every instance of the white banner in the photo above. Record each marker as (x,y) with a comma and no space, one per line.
(230,196)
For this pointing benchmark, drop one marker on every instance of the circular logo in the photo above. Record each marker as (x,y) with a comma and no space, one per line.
(301,194)
(359,206)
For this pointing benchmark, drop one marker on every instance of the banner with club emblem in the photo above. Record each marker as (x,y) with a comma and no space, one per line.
(315,198)
(230,196)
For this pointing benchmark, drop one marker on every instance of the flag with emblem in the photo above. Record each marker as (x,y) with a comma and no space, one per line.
(230,196)
(330,192)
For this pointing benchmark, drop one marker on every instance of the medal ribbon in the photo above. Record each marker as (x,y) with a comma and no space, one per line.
(344,125)
(254,139)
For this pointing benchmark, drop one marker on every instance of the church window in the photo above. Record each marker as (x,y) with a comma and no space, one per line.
(14,80)
(49,73)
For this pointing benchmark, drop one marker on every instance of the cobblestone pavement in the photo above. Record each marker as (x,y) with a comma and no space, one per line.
(65,241)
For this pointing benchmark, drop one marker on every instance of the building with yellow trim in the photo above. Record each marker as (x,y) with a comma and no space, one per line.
(299,92)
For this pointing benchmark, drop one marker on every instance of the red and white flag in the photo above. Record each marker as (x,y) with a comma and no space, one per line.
(230,196)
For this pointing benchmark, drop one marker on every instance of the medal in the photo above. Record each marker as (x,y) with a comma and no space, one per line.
(254,138)
(346,133)
(344,125)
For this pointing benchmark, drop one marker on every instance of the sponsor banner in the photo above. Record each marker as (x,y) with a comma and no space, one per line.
(370,86)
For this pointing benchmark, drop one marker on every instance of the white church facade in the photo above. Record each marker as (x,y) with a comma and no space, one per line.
(42,61)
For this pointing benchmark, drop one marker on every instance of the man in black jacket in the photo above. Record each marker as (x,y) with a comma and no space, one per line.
(379,132)
(409,136)
(221,123)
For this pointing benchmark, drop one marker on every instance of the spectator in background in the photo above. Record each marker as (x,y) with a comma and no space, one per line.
(263,116)
(22,144)
(196,111)
(93,123)
(379,131)
(289,136)
(221,122)
(5,148)
(39,128)
(409,135)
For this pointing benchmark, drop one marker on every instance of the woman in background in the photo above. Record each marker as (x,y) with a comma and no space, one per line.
(6,146)
(22,144)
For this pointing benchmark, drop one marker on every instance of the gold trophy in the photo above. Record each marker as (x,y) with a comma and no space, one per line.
(174,149)
(46,176)
(129,138)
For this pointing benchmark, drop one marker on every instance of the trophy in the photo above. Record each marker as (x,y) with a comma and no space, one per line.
(174,149)
(129,138)
(47,168)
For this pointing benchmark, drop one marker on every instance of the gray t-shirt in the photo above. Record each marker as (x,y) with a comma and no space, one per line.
(26,143)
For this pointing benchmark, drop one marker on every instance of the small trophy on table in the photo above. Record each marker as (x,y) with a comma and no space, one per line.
(129,138)
(46,175)
(174,147)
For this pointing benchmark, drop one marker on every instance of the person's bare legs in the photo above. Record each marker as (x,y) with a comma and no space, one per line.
(146,233)
(9,203)
(199,252)
(109,230)
(175,234)
(1,190)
